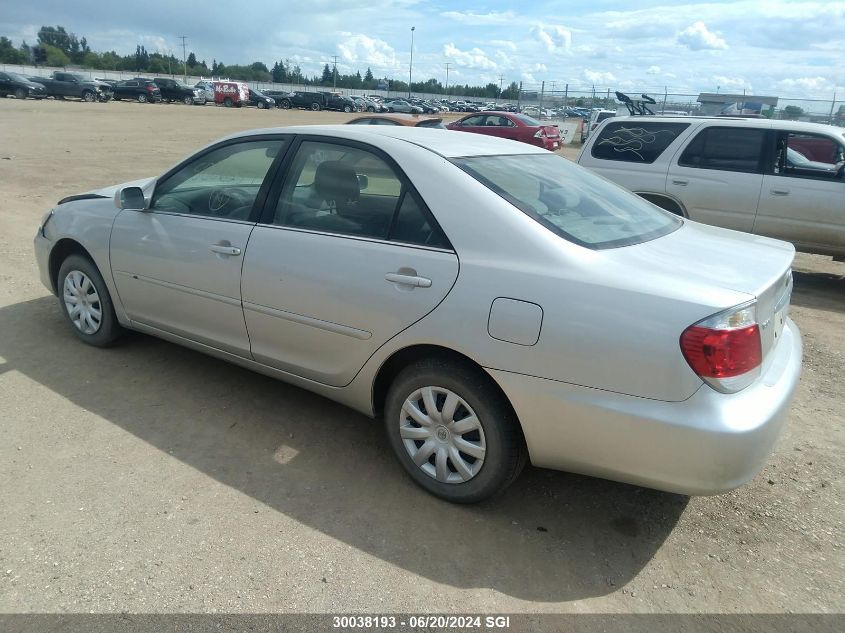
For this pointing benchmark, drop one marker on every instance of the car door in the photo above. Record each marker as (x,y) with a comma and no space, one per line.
(347,258)
(802,200)
(6,86)
(718,175)
(177,265)
(501,126)
(473,123)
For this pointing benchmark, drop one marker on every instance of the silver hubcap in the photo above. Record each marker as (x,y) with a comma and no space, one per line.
(442,435)
(82,302)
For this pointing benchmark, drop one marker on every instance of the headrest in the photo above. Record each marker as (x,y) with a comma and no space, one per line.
(336,181)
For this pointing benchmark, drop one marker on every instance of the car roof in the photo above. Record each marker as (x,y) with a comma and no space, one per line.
(738,121)
(400,118)
(446,143)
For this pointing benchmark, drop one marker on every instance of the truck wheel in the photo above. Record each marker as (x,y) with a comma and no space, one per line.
(347,109)
(315,106)
(285,105)
(89,97)
(142,98)
(188,100)
(228,102)
(20,93)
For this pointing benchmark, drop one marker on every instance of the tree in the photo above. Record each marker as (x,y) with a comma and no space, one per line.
(511,92)
(55,57)
(192,59)
(369,81)
(792,112)
(11,55)
(55,36)
(327,76)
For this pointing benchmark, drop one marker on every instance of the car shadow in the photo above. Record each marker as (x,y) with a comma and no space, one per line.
(819,290)
(551,537)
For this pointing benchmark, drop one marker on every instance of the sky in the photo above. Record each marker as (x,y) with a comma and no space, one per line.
(766,47)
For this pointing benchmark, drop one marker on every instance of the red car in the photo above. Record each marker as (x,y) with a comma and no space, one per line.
(512,125)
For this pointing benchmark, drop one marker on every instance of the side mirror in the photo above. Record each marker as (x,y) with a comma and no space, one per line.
(130,199)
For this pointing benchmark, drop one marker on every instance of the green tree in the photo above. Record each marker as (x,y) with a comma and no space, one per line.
(792,112)
(55,57)
(327,76)
(11,55)
(192,59)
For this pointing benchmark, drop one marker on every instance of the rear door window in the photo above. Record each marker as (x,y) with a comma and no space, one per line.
(726,148)
(635,141)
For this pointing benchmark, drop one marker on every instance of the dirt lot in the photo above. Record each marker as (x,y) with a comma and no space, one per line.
(152,478)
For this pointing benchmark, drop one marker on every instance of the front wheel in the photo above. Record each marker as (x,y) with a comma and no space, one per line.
(188,100)
(89,97)
(86,303)
(20,93)
(285,105)
(261,105)
(347,109)
(453,431)
(315,106)
(142,98)
(227,102)
(371,109)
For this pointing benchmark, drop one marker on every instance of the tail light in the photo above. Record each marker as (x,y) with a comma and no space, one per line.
(725,349)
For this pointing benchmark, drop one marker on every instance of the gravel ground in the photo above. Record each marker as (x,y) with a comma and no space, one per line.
(150,478)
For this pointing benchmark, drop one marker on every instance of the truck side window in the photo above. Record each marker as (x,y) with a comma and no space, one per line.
(726,148)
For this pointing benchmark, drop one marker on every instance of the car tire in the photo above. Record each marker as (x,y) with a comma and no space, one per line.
(347,109)
(491,431)
(261,105)
(390,110)
(142,98)
(88,96)
(188,100)
(20,93)
(285,105)
(371,109)
(227,102)
(315,106)
(80,284)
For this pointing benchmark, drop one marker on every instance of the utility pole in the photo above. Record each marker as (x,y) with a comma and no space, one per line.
(519,98)
(184,58)
(334,73)
(411,65)
(501,78)
(447,76)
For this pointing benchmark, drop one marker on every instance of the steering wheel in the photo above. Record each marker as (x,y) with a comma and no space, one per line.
(227,201)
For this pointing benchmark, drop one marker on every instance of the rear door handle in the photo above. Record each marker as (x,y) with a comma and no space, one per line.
(408,280)
(779,192)
(681,182)
(225,249)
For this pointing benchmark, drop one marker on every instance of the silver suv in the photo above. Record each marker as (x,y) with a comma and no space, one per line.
(781,179)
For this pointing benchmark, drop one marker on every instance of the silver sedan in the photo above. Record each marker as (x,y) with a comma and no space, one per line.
(492,302)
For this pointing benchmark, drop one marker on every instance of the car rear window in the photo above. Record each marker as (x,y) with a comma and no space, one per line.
(570,201)
(635,141)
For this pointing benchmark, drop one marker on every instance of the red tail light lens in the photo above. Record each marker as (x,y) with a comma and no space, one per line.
(725,349)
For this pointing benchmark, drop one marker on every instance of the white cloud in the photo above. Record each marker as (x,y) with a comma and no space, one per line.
(555,38)
(597,77)
(358,48)
(698,37)
(735,83)
(814,85)
(477,19)
(508,44)
(473,58)
(653,70)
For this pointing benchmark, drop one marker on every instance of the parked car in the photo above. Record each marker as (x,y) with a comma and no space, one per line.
(139,89)
(63,84)
(596,117)
(175,90)
(339,102)
(400,105)
(411,120)
(277,95)
(510,125)
(261,100)
(207,88)
(305,99)
(20,87)
(781,179)
(498,303)
(366,105)
(231,93)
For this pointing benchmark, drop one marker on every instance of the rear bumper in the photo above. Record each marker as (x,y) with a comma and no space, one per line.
(707,444)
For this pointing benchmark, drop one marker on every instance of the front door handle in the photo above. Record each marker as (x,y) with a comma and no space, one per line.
(225,249)
(408,280)
(780,192)
(681,182)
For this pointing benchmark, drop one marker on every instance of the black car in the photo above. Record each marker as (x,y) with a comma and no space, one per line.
(304,99)
(175,90)
(260,100)
(20,87)
(338,102)
(140,90)
(277,95)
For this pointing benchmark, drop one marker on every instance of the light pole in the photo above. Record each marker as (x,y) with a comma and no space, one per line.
(447,77)
(411,65)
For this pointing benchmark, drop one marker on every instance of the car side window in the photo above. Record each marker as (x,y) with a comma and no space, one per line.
(635,141)
(802,155)
(222,183)
(726,148)
(351,191)
(473,120)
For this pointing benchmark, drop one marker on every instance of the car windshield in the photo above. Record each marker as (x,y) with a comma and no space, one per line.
(17,77)
(572,202)
(258,93)
(527,119)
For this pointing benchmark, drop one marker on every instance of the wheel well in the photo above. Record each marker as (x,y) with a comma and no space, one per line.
(664,202)
(64,248)
(404,357)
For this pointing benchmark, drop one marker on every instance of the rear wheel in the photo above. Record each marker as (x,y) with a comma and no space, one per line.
(315,106)
(285,104)
(371,109)
(347,108)
(228,102)
(261,105)
(453,431)
(86,302)
(20,93)
(142,98)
